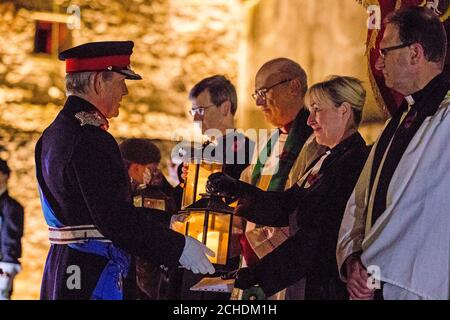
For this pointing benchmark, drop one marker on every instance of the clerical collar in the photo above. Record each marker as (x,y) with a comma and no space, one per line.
(286,128)
(418,96)
(410,100)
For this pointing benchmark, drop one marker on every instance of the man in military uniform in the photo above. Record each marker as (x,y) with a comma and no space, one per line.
(85,192)
(11,231)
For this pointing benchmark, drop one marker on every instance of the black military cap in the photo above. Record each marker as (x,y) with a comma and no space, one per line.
(101,56)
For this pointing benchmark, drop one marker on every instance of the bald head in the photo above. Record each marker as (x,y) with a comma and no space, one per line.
(283,68)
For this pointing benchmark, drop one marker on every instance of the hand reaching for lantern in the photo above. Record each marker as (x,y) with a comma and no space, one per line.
(222,184)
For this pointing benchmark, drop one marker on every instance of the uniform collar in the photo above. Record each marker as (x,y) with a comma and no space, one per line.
(85,112)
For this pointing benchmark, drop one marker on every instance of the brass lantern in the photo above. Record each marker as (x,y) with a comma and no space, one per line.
(150,196)
(210,221)
(196,179)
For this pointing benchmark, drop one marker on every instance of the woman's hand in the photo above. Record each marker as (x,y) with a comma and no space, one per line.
(222,184)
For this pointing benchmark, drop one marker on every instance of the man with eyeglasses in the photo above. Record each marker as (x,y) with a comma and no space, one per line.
(396,225)
(281,85)
(94,229)
(214,106)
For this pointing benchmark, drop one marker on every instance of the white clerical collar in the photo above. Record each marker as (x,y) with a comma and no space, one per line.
(410,100)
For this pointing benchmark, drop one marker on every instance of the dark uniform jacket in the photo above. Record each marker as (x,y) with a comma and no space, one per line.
(87,183)
(311,252)
(11,229)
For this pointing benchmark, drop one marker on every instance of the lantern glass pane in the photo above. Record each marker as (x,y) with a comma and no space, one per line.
(196,224)
(218,236)
(179,227)
(189,186)
(205,170)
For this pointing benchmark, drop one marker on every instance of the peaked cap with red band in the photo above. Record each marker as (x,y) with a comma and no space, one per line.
(101,56)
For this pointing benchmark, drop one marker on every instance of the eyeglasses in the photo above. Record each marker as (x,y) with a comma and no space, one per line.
(384,51)
(261,93)
(200,110)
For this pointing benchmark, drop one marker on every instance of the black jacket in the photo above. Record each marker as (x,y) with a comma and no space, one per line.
(310,252)
(11,229)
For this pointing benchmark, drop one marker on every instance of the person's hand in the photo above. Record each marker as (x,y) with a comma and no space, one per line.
(181,218)
(173,172)
(357,279)
(194,257)
(152,177)
(157,178)
(245,279)
(223,185)
(184,171)
(7,273)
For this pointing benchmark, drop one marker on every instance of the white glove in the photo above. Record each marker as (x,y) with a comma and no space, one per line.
(173,173)
(10,268)
(7,273)
(194,257)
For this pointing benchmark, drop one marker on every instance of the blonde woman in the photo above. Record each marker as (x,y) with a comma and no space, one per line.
(317,201)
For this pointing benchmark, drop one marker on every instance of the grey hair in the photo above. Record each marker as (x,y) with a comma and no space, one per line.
(80,82)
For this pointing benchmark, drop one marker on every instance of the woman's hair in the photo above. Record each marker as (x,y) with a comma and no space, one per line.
(340,89)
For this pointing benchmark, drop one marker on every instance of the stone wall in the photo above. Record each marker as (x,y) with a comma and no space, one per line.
(177,43)
(326,37)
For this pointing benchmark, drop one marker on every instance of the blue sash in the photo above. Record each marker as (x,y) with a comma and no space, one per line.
(109,285)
